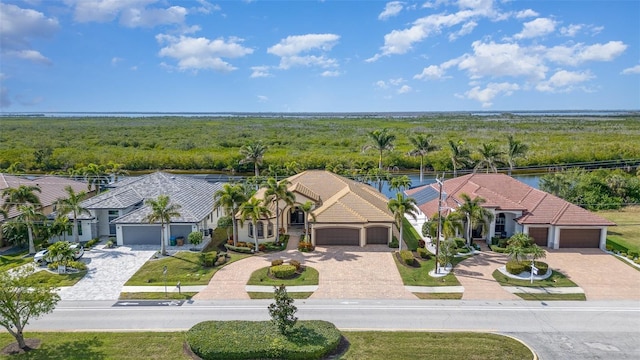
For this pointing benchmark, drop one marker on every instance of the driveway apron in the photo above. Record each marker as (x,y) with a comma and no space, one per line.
(475,276)
(600,275)
(108,270)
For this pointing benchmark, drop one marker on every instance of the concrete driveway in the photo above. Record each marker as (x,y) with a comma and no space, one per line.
(600,275)
(108,270)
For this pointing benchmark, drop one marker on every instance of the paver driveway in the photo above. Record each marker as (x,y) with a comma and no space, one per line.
(600,275)
(475,275)
(345,273)
(108,270)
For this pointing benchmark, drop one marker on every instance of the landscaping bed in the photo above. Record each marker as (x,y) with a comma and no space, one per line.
(305,276)
(270,295)
(419,276)
(557,279)
(55,279)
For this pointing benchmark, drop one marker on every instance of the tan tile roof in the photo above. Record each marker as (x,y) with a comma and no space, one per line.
(503,192)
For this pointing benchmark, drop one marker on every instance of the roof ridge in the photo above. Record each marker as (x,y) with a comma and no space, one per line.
(365,200)
(561,212)
(332,200)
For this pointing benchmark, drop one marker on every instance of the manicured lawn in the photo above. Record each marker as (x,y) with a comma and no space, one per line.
(156,296)
(293,295)
(439,296)
(420,276)
(627,234)
(57,280)
(309,276)
(373,345)
(552,297)
(10,261)
(410,235)
(556,279)
(184,266)
(218,238)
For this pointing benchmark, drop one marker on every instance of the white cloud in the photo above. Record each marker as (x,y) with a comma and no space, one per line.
(396,82)
(152,17)
(526,14)
(19,27)
(571,30)
(202,53)
(631,70)
(506,59)
(262,99)
(563,81)
(330,73)
(30,55)
(291,48)
(116,60)
(486,95)
(131,13)
(392,8)
(580,53)
(431,72)
(536,28)
(404,89)
(260,71)
(381,84)
(133,68)
(207,7)
(466,29)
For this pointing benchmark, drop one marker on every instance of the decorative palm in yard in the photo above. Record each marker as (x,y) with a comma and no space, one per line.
(253,210)
(401,206)
(460,156)
(516,149)
(475,214)
(253,154)
(306,208)
(30,216)
(162,210)
(229,198)
(23,194)
(73,204)
(276,191)
(451,225)
(422,145)
(400,183)
(382,141)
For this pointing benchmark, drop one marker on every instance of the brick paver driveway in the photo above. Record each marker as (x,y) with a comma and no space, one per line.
(345,273)
(600,275)
(475,275)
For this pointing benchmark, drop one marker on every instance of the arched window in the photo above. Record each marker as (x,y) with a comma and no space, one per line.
(270,229)
(250,230)
(260,229)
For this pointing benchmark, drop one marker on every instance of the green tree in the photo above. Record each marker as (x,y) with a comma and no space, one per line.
(400,183)
(382,141)
(401,206)
(306,208)
(422,145)
(283,311)
(95,175)
(162,210)
(195,238)
(278,191)
(253,154)
(378,176)
(475,214)
(490,158)
(451,225)
(459,155)
(446,252)
(229,199)
(30,216)
(226,223)
(253,210)
(72,203)
(60,226)
(61,251)
(515,149)
(22,195)
(21,300)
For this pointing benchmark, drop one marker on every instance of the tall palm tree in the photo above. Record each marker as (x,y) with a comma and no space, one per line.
(23,194)
(474,213)
(401,206)
(382,141)
(253,154)
(400,183)
(162,210)
(115,170)
(95,175)
(516,149)
(30,216)
(306,209)
(460,156)
(378,176)
(73,204)
(422,145)
(276,191)
(450,225)
(60,226)
(490,158)
(229,199)
(253,210)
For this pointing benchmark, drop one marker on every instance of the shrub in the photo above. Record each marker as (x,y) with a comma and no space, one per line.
(407,257)
(305,246)
(394,243)
(515,268)
(502,243)
(423,253)
(195,238)
(463,250)
(637,261)
(460,242)
(262,247)
(78,265)
(282,311)
(543,267)
(498,249)
(208,259)
(283,271)
(609,247)
(421,243)
(240,249)
(495,240)
(230,242)
(91,243)
(277,262)
(110,244)
(295,263)
(634,253)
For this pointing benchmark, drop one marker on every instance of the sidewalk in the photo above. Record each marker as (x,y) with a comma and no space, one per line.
(435,289)
(543,290)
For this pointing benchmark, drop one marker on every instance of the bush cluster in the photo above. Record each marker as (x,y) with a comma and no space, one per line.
(305,246)
(277,262)
(460,242)
(295,263)
(283,271)
(78,265)
(394,244)
(407,257)
(91,243)
(515,267)
(240,249)
(498,249)
(423,253)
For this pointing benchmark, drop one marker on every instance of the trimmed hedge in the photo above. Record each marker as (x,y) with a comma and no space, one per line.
(240,249)
(295,263)
(543,267)
(305,246)
(407,257)
(283,271)
(498,249)
(237,340)
(78,265)
(515,268)
(423,253)
(277,262)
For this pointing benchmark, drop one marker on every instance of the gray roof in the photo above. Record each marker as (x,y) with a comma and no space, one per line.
(195,197)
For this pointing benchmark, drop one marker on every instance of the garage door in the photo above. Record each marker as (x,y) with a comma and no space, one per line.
(180,231)
(141,235)
(539,235)
(338,236)
(378,235)
(579,238)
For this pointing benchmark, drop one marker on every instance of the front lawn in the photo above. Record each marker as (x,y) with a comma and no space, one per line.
(419,276)
(439,296)
(269,295)
(156,296)
(309,276)
(55,279)
(410,235)
(184,266)
(11,261)
(552,297)
(627,234)
(557,279)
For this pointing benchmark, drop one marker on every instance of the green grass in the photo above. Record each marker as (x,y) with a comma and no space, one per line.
(420,276)
(410,235)
(156,296)
(308,277)
(552,297)
(218,238)
(373,345)
(557,279)
(184,266)
(626,235)
(439,296)
(265,295)
(56,280)
(11,261)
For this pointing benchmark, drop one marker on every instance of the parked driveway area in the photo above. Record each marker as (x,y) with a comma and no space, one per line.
(108,270)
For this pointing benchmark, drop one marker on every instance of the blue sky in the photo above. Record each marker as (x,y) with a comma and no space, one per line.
(318,56)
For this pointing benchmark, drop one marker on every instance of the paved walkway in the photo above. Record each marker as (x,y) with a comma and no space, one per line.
(543,290)
(475,276)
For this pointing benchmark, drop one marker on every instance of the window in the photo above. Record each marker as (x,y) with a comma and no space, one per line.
(113,214)
(79,228)
(260,229)
(250,230)
(270,230)
(500,222)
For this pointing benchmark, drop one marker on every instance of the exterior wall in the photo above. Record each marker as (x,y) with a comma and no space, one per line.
(510,225)
(243,233)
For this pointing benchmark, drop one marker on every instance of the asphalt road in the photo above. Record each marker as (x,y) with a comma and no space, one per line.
(555,330)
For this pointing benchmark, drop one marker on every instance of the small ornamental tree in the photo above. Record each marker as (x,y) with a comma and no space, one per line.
(283,311)
(22,300)
(61,251)
(195,238)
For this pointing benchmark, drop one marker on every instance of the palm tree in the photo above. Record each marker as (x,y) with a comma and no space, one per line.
(489,158)
(400,183)
(253,153)
(30,216)
(306,209)
(401,206)
(73,204)
(162,210)
(475,214)
(60,226)
(229,198)
(95,175)
(379,176)
(254,210)
(23,194)
(516,149)
(275,192)
(382,141)
(451,225)
(422,145)
(459,155)
(115,170)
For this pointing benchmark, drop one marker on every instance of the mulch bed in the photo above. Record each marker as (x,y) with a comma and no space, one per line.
(13,349)
(416,263)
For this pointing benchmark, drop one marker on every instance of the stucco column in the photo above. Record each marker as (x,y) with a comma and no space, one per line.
(363,237)
(603,238)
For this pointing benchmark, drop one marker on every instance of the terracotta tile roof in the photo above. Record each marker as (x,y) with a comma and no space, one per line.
(503,192)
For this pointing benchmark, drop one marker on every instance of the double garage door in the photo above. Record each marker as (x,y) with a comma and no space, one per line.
(351,237)
(569,238)
(150,234)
